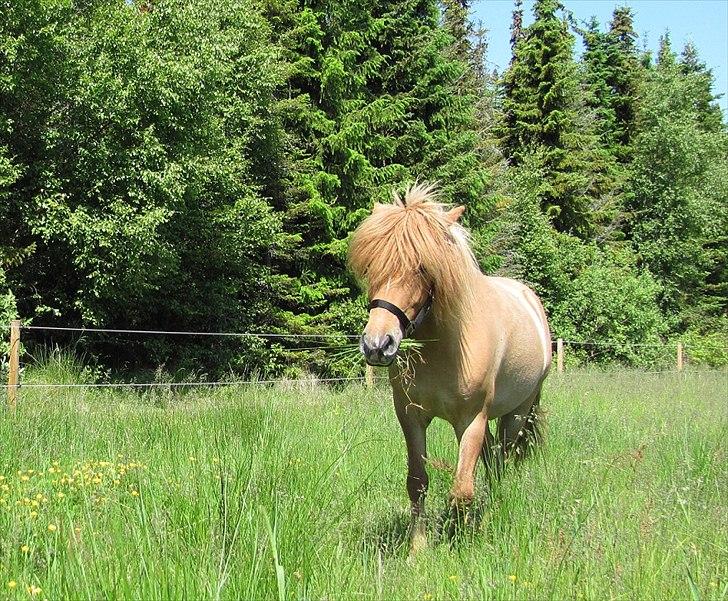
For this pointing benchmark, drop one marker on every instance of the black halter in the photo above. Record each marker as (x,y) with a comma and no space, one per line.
(408,327)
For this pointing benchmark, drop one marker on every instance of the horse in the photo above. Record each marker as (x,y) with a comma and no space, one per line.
(483,343)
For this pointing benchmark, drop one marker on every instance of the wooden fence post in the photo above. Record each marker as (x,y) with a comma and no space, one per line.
(369,376)
(14,364)
(560,355)
(679,356)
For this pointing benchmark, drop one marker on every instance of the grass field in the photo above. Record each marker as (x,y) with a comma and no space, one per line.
(263,493)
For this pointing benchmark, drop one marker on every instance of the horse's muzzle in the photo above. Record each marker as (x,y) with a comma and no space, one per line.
(379,350)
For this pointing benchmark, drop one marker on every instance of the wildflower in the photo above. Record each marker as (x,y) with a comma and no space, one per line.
(34,590)
(427,597)
(52,527)
(60,495)
(96,480)
(512,577)
(77,530)
(24,478)
(453,578)
(25,549)
(192,458)
(34,514)
(134,493)
(12,584)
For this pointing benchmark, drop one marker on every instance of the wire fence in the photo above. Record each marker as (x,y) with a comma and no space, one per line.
(661,357)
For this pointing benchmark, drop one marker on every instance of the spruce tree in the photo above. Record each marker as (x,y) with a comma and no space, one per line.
(544,116)
(378,94)
(612,74)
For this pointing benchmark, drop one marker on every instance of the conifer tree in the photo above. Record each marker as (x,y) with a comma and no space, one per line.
(378,94)
(543,115)
(612,73)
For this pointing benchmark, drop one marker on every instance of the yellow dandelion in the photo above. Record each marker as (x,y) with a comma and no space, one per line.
(34,590)
(1,479)
(5,488)
(134,493)
(52,527)
(452,578)
(192,458)
(34,503)
(34,514)
(12,584)
(512,577)
(25,549)
(427,597)
(96,480)
(24,478)
(60,495)
(77,530)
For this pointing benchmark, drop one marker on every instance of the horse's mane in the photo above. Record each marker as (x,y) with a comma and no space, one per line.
(412,237)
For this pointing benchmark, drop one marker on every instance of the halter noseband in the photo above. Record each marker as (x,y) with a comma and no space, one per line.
(408,327)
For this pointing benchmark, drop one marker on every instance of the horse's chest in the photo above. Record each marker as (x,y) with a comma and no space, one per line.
(437,399)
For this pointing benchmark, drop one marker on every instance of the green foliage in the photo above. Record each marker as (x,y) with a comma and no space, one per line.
(677,216)
(544,117)
(707,347)
(200,165)
(611,304)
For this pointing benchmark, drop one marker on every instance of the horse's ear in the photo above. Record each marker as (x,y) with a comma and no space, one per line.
(455,213)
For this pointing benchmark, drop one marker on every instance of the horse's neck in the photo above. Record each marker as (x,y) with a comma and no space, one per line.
(447,337)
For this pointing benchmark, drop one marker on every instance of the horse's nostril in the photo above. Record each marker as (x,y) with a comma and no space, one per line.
(389,347)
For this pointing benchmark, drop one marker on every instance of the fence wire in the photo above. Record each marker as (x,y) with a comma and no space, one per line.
(585,353)
(181,384)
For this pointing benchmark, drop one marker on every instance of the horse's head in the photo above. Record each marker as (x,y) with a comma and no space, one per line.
(395,311)
(403,252)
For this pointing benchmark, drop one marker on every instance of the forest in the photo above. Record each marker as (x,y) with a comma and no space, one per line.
(199,165)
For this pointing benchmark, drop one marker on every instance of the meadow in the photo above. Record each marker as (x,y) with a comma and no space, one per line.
(297,492)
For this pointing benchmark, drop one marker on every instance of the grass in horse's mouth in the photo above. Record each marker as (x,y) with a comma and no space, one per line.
(404,354)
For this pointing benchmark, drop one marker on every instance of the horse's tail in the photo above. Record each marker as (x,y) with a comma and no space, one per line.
(531,433)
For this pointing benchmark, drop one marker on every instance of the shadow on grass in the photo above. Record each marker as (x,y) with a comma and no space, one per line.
(389,536)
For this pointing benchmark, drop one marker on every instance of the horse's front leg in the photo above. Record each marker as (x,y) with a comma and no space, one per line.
(414,426)
(471,437)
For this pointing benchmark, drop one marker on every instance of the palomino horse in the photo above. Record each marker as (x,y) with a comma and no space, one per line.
(485,343)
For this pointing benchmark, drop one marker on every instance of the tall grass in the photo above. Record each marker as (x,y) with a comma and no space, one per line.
(255,492)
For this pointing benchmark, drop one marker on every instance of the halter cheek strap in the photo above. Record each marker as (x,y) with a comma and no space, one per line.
(408,327)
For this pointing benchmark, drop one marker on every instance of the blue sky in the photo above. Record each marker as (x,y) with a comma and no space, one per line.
(704,22)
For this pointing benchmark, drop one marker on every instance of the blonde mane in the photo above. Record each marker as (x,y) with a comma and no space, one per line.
(412,237)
